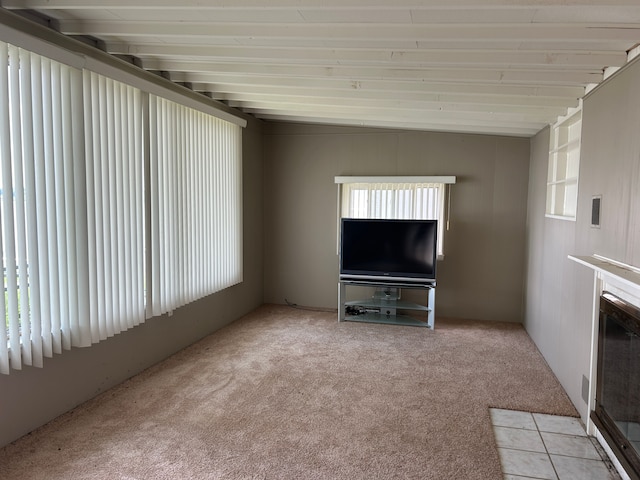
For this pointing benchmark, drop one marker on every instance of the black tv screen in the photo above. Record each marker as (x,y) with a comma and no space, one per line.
(388,250)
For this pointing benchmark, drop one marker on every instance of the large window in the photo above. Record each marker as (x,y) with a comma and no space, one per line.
(423,198)
(196,204)
(83,160)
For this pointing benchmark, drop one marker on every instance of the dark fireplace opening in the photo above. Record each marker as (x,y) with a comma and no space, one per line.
(617,411)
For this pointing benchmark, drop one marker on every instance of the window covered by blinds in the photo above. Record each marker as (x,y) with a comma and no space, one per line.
(41,138)
(196,206)
(115,206)
(423,201)
(83,158)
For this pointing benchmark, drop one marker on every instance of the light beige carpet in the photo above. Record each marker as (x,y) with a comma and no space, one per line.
(285,393)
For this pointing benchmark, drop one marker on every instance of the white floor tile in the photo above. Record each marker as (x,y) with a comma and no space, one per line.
(556,424)
(550,447)
(570,445)
(526,464)
(512,418)
(570,468)
(519,439)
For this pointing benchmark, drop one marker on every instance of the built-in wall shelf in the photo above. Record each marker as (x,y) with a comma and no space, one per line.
(564,165)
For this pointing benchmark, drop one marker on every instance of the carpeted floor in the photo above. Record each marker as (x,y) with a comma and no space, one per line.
(285,393)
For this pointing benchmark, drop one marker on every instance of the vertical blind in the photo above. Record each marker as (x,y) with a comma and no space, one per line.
(115,206)
(196,204)
(73,197)
(41,135)
(424,201)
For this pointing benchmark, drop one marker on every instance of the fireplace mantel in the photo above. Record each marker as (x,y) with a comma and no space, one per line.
(625,274)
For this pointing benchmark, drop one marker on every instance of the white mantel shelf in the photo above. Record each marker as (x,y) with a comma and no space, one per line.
(623,273)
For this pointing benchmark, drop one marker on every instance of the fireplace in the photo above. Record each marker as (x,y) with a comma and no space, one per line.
(617,402)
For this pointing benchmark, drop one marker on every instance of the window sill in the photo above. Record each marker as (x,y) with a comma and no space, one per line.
(571,218)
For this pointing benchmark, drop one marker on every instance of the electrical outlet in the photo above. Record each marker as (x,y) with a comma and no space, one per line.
(585,389)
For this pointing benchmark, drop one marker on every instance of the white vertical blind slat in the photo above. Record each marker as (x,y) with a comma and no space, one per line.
(7,216)
(110,219)
(65,211)
(31,101)
(165,194)
(170,154)
(117,225)
(18,133)
(93,132)
(5,157)
(102,210)
(166,201)
(79,247)
(154,295)
(140,205)
(9,198)
(55,205)
(46,212)
(126,238)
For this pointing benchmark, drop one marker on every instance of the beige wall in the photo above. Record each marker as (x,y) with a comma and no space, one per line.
(482,274)
(559,292)
(33,396)
(562,335)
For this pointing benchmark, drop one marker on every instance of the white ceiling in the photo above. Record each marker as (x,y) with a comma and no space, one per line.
(505,67)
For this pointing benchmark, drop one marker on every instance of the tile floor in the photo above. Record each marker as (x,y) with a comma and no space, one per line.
(537,446)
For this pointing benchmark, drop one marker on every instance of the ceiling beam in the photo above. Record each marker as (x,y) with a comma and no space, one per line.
(274,101)
(539,32)
(219,81)
(380,112)
(360,56)
(423,124)
(462,75)
(233,91)
(306,4)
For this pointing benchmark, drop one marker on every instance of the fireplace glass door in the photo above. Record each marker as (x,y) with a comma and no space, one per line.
(618,390)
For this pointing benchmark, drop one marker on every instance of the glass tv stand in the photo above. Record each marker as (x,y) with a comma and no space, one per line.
(386,306)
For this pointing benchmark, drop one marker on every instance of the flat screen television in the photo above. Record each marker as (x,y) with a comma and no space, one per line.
(388,251)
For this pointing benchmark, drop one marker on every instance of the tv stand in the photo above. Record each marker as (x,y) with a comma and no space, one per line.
(386,308)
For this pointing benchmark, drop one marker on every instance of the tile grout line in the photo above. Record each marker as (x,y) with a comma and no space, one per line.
(564,433)
(545,446)
(537,430)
